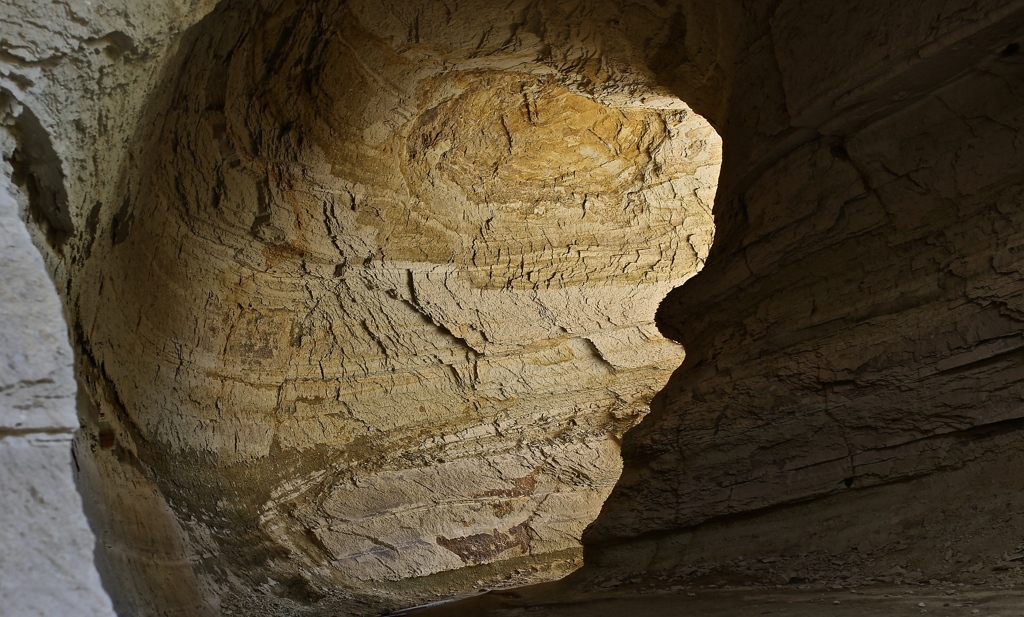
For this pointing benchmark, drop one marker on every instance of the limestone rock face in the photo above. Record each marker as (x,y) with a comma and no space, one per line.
(46,547)
(369,301)
(363,294)
(858,324)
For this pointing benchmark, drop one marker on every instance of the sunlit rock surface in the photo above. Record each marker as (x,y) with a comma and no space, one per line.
(369,301)
(362,294)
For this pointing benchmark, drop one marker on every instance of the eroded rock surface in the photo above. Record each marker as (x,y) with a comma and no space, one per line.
(370,302)
(363,293)
(46,547)
(855,338)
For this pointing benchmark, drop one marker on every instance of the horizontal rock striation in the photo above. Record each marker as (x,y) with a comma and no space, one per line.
(858,323)
(374,301)
(46,547)
(363,294)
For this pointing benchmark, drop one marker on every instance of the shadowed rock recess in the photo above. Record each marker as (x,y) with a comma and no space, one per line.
(365,296)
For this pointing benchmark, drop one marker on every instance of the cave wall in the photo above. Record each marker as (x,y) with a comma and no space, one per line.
(851,347)
(46,546)
(73,80)
(356,319)
(852,382)
(365,313)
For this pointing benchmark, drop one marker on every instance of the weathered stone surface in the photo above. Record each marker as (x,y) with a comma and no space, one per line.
(46,547)
(370,296)
(363,292)
(856,325)
(395,289)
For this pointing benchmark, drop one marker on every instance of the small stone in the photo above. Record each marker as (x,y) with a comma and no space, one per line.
(920,604)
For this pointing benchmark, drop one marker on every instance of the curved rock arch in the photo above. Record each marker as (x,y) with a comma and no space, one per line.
(854,339)
(366,312)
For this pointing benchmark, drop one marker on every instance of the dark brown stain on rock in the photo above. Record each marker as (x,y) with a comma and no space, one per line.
(502,508)
(521,487)
(486,547)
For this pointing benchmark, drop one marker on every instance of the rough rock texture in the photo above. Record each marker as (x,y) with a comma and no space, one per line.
(369,299)
(362,292)
(858,323)
(367,311)
(73,79)
(46,547)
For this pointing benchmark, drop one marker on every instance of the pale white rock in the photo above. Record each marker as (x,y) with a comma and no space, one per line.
(46,547)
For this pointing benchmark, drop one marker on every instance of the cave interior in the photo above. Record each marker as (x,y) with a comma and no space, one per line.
(481,307)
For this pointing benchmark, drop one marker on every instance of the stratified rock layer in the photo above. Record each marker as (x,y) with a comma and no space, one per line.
(46,547)
(859,320)
(362,310)
(375,304)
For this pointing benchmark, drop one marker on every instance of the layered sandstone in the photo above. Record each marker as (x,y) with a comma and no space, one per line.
(363,293)
(853,344)
(46,547)
(371,302)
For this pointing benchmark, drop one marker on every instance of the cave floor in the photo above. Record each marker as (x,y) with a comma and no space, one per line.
(558,600)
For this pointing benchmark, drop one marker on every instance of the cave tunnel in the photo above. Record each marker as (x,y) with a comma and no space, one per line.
(511,307)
